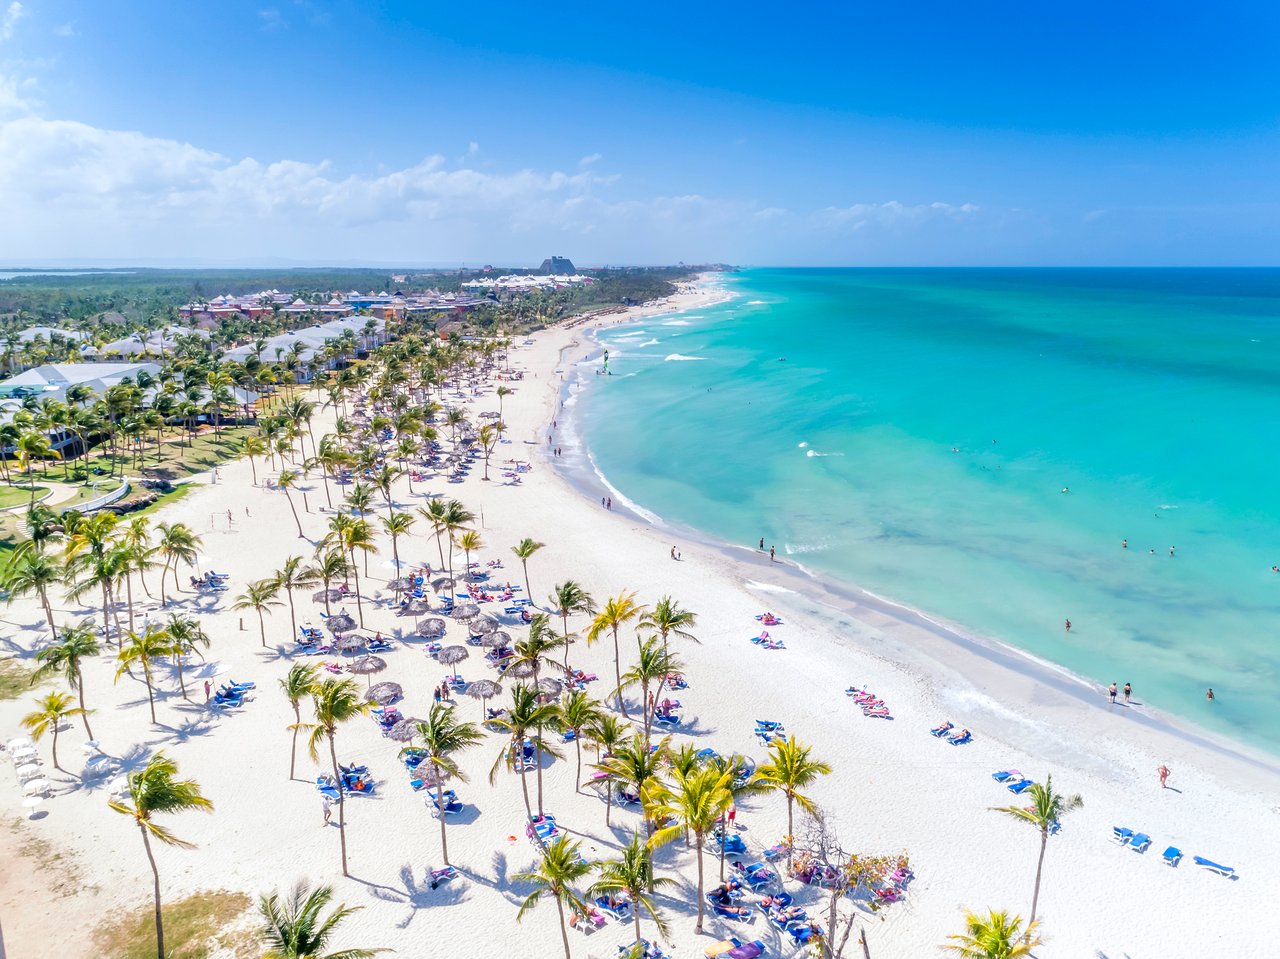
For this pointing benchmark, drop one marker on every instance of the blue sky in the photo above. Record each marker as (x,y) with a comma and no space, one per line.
(986,132)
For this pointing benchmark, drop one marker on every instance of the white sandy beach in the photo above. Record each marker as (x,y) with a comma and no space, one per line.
(894,787)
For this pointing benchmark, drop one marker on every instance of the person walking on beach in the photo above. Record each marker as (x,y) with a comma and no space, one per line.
(771,559)
(762,544)
(1163,773)
(609,503)
(1111,691)
(1128,690)
(207,687)
(327,807)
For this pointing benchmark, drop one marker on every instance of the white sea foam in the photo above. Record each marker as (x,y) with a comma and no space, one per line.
(1167,506)
(756,303)
(817,453)
(648,343)
(793,549)
(681,358)
(767,587)
(803,445)
(677,323)
(623,336)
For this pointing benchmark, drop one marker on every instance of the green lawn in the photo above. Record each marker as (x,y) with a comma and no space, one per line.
(194,928)
(15,679)
(206,451)
(16,495)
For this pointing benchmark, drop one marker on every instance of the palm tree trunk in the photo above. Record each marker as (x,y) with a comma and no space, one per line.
(293,622)
(146,676)
(128,585)
(1035,896)
(359,609)
(617,672)
(48,612)
(262,628)
(524,783)
(155,874)
(342,805)
(295,512)
(564,929)
(182,678)
(577,743)
(791,832)
(701,902)
(440,804)
(85,714)
(55,747)
(527,591)
(293,749)
(636,916)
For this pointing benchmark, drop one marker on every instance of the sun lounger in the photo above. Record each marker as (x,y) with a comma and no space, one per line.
(443,875)
(1139,842)
(776,851)
(720,948)
(733,844)
(769,725)
(732,913)
(748,950)
(803,934)
(1121,835)
(962,740)
(1007,775)
(1172,856)
(670,722)
(1212,866)
(1021,786)
(621,911)
(942,730)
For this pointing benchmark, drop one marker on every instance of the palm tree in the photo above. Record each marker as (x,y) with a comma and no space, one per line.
(789,770)
(51,710)
(286,481)
(300,682)
(993,936)
(568,598)
(560,867)
(293,575)
(141,650)
(632,766)
(294,929)
(253,447)
(524,549)
(1047,807)
(443,737)
(177,542)
(632,876)
(77,644)
(469,542)
(31,572)
(335,702)
(536,650)
(577,713)
(435,513)
(526,715)
(692,804)
(456,516)
(186,636)
(260,596)
(652,666)
(617,612)
(330,566)
(668,618)
(354,536)
(154,789)
(397,525)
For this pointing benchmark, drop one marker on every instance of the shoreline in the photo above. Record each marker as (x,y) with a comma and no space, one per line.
(955,646)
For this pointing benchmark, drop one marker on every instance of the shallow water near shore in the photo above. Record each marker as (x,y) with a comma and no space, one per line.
(979,444)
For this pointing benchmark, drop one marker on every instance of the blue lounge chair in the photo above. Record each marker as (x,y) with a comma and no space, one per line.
(1172,856)
(782,920)
(1021,786)
(961,740)
(732,913)
(769,725)
(1121,835)
(620,912)
(803,934)
(667,721)
(944,729)
(733,843)
(1004,775)
(1212,866)
(1139,842)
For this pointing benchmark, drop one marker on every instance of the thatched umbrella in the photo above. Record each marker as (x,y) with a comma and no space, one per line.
(484,690)
(496,640)
(441,583)
(520,669)
(550,685)
(490,415)
(414,608)
(432,628)
(482,626)
(340,623)
(452,655)
(384,693)
(404,730)
(367,665)
(326,595)
(349,643)
(399,585)
(465,611)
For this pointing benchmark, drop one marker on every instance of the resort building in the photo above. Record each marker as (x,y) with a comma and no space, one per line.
(152,343)
(304,345)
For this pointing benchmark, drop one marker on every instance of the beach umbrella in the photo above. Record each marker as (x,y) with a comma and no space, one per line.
(550,686)
(18,743)
(465,611)
(452,655)
(496,640)
(367,665)
(340,623)
(28,771)
(32,803)
(384,693)
(490,415)
(484,690)
(482,626)
(349,643)
(326,595)
(36,786)
(404,730)
(432,628)
(441,583)
(521,669)
(414,608)
(399,585)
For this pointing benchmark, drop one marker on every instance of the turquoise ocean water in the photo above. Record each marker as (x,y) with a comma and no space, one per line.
(917,438)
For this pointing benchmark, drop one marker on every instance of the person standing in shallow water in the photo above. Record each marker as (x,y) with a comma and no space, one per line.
(771,554)
(1111,692)
(1128,691)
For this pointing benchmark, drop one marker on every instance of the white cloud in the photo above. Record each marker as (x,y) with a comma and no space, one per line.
(12,14)
(890,214)
(67,29)
(271,19)
(590,158)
